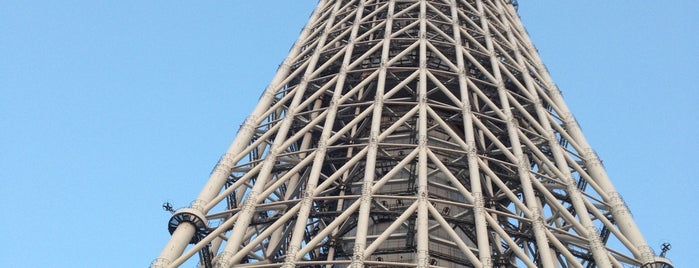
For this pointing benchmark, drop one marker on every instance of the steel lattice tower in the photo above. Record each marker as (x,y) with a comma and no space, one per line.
(410,133)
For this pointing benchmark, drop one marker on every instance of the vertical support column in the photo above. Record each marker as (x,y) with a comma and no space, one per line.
(176,245)
(316,169)
(343,190)
(242,139)
(483,241)
(423,257)
(184,232)
(363,220)
(537,218)
(619,210)
(307,194)
(596,246)
(226,258)
(276,237)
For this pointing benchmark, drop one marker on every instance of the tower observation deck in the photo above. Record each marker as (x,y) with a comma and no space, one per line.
(409,133)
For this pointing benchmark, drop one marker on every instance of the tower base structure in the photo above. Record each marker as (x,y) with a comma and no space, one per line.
(410,133)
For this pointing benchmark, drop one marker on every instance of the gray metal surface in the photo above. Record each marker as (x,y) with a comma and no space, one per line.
(409,133)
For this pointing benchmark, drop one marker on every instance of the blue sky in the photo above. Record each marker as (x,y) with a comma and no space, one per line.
(110,108)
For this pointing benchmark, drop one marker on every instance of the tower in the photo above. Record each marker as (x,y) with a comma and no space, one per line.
(409,133)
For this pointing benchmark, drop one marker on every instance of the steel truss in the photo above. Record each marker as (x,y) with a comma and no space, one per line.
(410,133)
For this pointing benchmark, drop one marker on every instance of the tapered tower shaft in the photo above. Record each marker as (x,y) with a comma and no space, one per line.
(409,133)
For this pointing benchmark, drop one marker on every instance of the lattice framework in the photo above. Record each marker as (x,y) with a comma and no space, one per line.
(410,133)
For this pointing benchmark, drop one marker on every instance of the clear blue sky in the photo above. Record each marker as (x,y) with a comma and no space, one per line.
(110,108)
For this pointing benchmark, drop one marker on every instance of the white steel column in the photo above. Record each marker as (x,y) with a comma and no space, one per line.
(483,242)
(182,235)
(523,165)
(597,248)
(276,238)
(409,133)
(619,209)
(422,223)
(239,229)
(363,219)
(307,197)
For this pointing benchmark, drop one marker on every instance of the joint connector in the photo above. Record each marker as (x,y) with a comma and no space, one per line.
(160,263)
(192,216)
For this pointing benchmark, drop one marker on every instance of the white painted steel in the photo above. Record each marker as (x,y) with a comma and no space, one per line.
(409,133)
